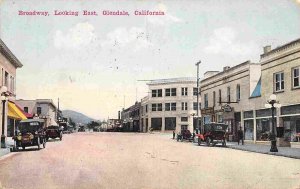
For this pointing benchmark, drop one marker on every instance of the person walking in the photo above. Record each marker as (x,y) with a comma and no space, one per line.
(240,136)
(173,134)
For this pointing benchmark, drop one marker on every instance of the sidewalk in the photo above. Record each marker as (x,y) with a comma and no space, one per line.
(9,144)
(265,149)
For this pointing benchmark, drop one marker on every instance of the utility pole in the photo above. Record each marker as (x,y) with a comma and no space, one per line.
(197,124)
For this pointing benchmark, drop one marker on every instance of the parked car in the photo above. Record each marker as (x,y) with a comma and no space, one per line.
(53,132)
(81,129)
(213,133)
(30,132)
(185,135)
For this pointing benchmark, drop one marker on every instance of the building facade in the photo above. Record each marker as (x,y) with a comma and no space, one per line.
(8,66)
(130,118)
(281,76)
(144,127)
(43,108)
(226,94)
(171,104)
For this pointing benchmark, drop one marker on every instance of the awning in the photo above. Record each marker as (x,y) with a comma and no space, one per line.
(14,112)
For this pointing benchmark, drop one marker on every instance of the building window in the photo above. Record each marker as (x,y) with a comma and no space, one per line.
(184,106)
(26,109)
(171,92)
(279,81)
(39,110)
(157,93)
(296,78)
(195,106)
(156,107)
(238,92)
(170,106)
(146,108)
(214,98)
(6,79)
(206,101)
(228,94)
(184,119)
(184,91)
(220,97)
(195,91)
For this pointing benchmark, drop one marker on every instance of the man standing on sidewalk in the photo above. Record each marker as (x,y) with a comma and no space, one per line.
(240,136)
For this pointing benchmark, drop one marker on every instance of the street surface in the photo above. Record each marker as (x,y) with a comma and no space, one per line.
(136,160)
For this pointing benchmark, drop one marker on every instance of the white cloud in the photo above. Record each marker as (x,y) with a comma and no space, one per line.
(224,41)
(82,34)
(135,38)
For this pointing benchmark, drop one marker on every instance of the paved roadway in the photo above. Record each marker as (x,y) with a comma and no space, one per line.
(129,160)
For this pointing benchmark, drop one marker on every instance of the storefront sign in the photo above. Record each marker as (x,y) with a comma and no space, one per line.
(207,111)
(227,108)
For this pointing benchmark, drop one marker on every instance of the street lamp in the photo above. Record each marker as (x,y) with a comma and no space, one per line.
(273,104)
(197,124)
(4,98)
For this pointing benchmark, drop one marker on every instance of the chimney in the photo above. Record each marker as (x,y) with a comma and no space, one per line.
(226,68)
(267,49)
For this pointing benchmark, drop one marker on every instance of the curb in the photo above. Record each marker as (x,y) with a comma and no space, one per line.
(268,153)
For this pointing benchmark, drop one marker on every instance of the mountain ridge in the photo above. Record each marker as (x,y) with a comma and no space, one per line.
(77,117)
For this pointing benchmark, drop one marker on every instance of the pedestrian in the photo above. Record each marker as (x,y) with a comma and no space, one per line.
(240,136)
(173,134)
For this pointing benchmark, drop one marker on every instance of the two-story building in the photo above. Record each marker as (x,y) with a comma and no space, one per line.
(226,94)
(131,118)
(42,108)
(281,76)
(172,104)
(8,66)
(144,114)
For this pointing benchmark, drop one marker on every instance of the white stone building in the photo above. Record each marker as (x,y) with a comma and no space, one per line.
(171,104)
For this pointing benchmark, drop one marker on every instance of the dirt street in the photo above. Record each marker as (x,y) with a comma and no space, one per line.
(130,160)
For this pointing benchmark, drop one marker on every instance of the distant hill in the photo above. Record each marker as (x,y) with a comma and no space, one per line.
(77,117)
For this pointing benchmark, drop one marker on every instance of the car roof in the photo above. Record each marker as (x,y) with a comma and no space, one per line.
(32,120)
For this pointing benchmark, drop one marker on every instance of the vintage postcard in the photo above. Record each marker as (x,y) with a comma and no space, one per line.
(149,94)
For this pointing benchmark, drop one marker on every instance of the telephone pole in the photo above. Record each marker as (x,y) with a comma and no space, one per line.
(197,124)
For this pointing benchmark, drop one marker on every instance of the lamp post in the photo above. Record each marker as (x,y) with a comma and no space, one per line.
(273,104)
(197,124)
(4,98)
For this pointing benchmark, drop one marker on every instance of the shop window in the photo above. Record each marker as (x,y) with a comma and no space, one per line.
(170,123)
(156,123)
(263,129)
(279,81)
(249,130)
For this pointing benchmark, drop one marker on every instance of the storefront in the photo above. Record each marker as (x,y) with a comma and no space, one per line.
(291,121)
(14,116)
(264,124)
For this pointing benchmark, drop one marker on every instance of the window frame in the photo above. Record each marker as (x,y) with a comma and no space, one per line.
(280,82)
(184,91)
(238,92)
(293,77)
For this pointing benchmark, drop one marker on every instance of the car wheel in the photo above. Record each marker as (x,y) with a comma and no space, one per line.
(39,143)
(208,141)
(199,141)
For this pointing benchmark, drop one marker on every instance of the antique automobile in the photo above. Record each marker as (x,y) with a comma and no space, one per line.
(185,135)
(54,131)
(30,132)
(213,133)
(81,129)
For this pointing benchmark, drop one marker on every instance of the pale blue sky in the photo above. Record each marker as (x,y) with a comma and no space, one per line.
(91,63)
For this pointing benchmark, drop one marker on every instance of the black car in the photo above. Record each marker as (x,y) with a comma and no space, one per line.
(30,132)
(54,131)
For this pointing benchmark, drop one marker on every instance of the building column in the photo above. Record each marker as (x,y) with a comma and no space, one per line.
(149,123)
(254,126)
(163,126)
